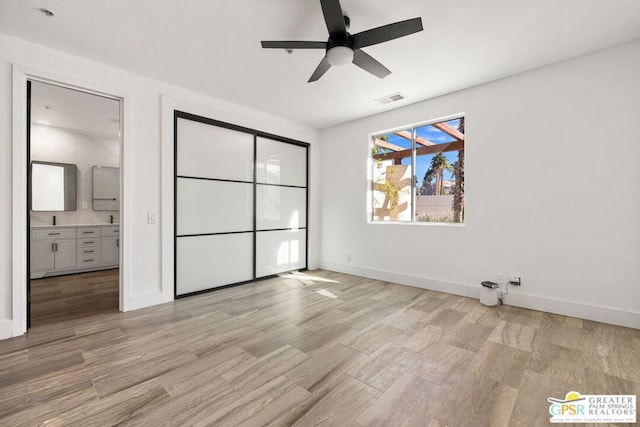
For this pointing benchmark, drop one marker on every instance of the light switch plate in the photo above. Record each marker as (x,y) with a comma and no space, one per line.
(152,218)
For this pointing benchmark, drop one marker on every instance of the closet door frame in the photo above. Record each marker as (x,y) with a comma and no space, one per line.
(177,114)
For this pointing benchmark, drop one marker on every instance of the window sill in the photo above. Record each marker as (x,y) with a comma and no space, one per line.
(440,224)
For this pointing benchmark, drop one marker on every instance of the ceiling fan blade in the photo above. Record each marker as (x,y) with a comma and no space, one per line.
(334,18)
(386,33)
(368,63)
(320,70)
(293,45)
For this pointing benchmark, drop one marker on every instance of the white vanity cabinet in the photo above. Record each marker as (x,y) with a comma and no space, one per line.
(53,249)
(73,249)
(110,245)
(88,247)
(42,255)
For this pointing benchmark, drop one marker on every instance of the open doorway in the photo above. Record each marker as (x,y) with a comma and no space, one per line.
(74,142)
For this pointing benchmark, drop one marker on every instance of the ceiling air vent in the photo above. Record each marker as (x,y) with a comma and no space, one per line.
(391,98)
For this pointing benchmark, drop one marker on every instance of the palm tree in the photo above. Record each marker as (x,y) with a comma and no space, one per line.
(458,190)
(426,181)
(439,164)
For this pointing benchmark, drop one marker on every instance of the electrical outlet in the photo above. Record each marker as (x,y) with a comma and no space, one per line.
(348,257)
(515,281)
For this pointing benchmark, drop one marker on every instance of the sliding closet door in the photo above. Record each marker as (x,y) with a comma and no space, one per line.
(281,207)
(214,206)
(241,204)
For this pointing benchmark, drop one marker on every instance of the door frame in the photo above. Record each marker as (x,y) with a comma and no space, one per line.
(19,172)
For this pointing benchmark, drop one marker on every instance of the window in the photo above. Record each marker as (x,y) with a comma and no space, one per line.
(418,173)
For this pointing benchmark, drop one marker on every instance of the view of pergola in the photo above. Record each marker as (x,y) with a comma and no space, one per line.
(418,173)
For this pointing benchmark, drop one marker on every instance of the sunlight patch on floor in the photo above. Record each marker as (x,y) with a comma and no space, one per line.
(307,279)
(325,293)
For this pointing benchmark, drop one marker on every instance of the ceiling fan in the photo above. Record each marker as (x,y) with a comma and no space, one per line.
(342,48)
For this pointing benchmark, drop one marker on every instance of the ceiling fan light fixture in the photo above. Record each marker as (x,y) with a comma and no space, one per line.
(340,55)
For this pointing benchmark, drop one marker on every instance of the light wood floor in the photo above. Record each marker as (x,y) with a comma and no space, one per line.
(319,348)
(61,298)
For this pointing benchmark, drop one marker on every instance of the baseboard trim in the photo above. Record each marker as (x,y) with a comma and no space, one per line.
(584,310)
(6,329)
(46,274)
(142,301)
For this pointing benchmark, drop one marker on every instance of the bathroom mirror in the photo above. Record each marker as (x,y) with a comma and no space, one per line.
(54,186)
(106,188)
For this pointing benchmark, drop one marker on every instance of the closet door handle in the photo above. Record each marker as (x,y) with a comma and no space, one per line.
(53,247)
(117,243)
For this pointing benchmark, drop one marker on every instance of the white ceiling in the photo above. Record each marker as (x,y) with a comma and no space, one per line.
(213,47)
(73,110)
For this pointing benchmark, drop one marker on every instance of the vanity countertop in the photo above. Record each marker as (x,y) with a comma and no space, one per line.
(102,224)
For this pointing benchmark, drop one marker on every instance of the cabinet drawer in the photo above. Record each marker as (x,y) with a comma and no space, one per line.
(53,233)
(89,242)
(88,232)
(110,231)
(88,252)
(88,259)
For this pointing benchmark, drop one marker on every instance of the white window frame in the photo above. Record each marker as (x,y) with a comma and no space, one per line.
(370,178)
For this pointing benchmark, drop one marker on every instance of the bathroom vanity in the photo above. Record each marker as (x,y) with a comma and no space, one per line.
(68,249)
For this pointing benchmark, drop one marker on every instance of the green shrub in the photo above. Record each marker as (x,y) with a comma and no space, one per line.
(431,217)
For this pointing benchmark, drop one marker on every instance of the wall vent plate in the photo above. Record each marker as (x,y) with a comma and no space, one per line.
(394,97)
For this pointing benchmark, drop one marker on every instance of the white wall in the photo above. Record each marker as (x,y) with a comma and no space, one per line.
(561,136)
(143,171)
(49,144)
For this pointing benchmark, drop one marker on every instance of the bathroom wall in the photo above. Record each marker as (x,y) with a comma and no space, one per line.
(50,144)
